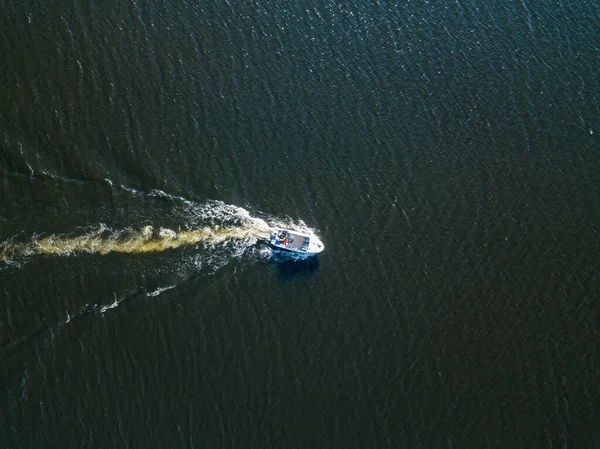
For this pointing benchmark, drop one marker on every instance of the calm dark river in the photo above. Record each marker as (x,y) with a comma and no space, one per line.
(446,152)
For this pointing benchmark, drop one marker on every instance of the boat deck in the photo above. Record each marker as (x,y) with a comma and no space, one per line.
(292,241)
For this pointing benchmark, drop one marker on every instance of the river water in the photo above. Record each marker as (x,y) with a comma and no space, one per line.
(446,153)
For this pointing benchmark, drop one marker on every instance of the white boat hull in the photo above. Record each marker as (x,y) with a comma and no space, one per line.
(295,242)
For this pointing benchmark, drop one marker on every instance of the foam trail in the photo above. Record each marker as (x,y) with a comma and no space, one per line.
(210,223)
(160,290)
(129,241)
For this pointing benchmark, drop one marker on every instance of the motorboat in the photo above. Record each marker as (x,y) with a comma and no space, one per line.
(294,241)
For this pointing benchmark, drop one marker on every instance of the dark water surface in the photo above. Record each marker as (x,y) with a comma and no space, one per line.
(446,153)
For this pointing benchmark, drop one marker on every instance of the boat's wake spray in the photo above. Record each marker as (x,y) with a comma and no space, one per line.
(145,240)
(217,224)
